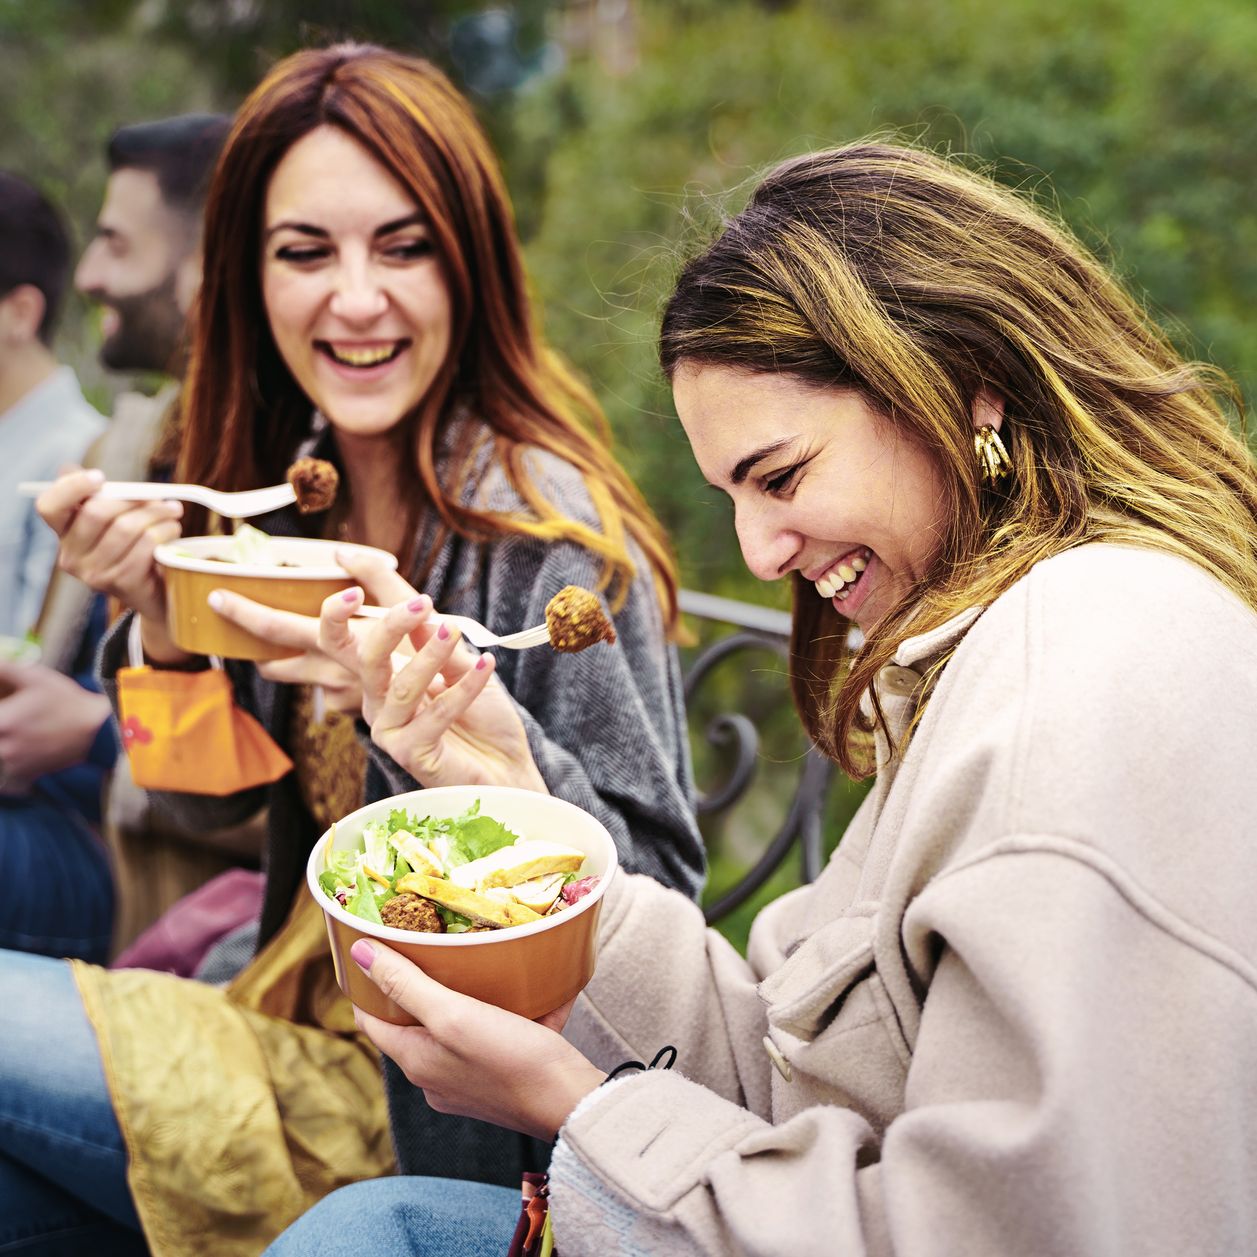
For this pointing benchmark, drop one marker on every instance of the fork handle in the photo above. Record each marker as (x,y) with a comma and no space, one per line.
(131,490)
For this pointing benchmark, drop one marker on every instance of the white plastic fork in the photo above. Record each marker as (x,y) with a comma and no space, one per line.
(475,632)
(237,504)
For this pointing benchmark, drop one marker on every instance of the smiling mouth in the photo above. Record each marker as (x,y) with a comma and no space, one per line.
(842,577)
(361,356)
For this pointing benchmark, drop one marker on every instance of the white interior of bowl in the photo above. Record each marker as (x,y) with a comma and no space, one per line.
(313,558)
(528,814)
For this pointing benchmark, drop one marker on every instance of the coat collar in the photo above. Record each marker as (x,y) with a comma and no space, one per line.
(903,684)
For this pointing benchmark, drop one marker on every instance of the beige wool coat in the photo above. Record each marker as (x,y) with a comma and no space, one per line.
(1016,1014)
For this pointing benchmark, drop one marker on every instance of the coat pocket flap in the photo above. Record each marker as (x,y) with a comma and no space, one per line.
(804,994)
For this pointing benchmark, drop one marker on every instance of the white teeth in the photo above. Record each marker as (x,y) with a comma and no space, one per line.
(832,583)
(363,357)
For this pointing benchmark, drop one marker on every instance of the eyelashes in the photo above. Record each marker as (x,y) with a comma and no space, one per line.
(786,481)
(309,254)
(410,250)
(299,253)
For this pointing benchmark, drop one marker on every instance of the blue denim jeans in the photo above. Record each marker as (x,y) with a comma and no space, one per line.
(56,891)
(63,1185)
(405,1217)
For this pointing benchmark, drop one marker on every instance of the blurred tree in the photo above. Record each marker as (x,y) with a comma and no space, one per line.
(1138,112)
(70,74)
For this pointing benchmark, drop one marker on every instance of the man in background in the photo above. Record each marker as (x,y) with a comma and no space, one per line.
(55,741)
(44,419)
(143,267)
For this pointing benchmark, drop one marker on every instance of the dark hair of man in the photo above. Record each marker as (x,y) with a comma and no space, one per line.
(34,247)
(180,151)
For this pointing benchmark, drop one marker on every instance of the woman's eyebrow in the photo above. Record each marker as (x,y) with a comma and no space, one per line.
(417,219)
(744,465)
(306,229)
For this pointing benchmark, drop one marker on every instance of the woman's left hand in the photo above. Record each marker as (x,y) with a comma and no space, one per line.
(341,691)
(443,716)
(472,1058)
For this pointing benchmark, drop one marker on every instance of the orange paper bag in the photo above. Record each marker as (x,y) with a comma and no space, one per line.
(183,731)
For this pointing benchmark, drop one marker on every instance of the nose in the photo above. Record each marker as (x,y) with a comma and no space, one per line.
(88,276)
(358,296)
(770,551)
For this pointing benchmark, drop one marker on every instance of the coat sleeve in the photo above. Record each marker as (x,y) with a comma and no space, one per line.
(708,1008)
(1073,1089)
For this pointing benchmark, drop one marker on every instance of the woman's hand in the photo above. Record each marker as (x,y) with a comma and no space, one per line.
(300,633)
(109,544)
(471,1058)
(442,716)
(48,722)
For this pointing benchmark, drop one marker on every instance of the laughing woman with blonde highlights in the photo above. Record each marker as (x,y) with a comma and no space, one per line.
(1017,1012)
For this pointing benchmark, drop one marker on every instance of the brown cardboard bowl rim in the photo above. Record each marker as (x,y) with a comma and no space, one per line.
(390,934)
(167,555)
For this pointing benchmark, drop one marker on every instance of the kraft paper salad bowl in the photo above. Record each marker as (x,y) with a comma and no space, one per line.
(530,969)
(287,573)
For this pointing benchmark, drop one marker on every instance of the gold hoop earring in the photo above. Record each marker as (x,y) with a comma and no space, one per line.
(994,465)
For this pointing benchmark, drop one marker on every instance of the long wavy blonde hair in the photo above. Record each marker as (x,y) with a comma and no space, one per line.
(906,276)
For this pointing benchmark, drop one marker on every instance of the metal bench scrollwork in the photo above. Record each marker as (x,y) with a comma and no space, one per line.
(731,750)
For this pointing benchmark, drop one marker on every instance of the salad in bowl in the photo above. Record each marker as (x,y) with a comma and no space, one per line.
(493,891)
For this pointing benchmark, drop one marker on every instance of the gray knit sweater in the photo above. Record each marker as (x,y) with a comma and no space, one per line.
(605,726)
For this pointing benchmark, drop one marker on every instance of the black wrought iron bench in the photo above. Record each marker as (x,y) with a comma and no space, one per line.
(732,700)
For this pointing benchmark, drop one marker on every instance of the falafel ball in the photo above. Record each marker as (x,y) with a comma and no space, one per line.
(408,911)
(575,620)
(315,481)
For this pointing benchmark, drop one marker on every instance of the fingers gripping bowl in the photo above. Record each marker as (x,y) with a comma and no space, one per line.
(529,969)
(287,573)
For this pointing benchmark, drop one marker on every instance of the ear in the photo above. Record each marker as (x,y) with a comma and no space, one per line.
(988,408)
(187,281)
(21,313)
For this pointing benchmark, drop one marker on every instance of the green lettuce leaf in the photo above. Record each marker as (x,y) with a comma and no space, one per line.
(400,869)
(455,922)
(473,836)
(341,872)
(363,903)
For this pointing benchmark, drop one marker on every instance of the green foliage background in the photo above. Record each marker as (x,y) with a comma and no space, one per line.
(1132,118)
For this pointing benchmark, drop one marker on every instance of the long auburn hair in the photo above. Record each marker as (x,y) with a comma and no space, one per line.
(243,413)
(903,275)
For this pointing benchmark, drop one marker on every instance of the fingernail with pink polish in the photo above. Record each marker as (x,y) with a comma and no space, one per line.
(352,595)
(363,953)
(482,663)
(443,633)
(416,605)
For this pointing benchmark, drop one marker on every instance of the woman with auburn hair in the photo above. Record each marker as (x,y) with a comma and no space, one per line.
(1017,1012)
(364,302)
